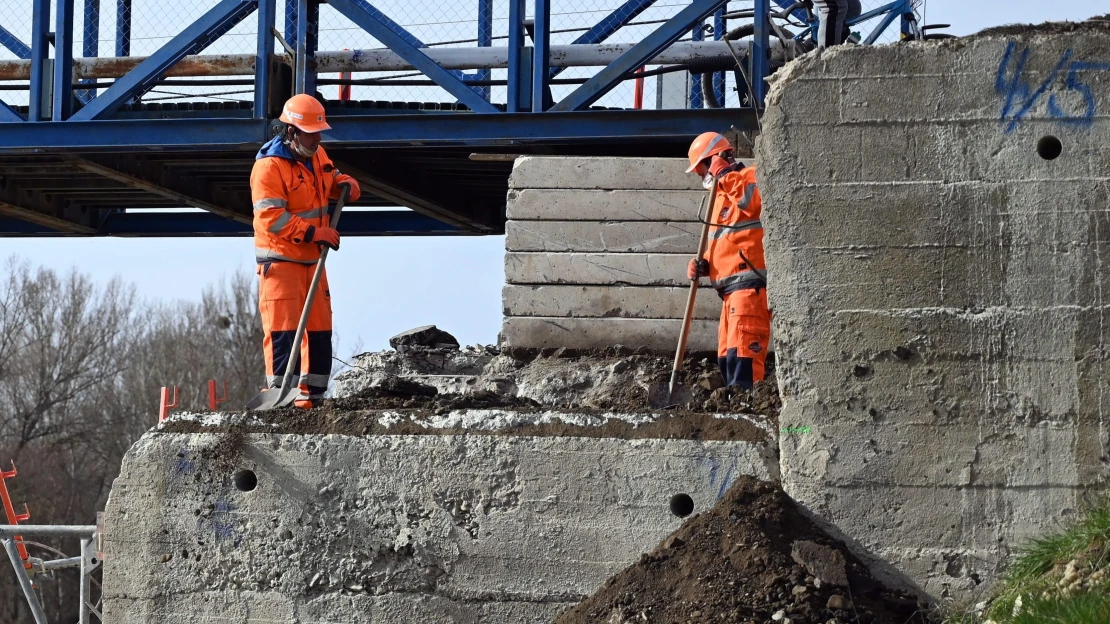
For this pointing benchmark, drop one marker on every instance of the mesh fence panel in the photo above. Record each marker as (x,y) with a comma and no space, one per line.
(457,24)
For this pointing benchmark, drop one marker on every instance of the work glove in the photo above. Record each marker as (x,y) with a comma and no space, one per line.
(329,237)
(699,267)
(355,192)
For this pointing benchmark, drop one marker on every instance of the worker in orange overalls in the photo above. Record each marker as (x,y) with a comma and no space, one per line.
(291,183)
(734,260)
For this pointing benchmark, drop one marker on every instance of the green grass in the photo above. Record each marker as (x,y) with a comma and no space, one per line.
(1039,567)
(1041,554)
(1089,608)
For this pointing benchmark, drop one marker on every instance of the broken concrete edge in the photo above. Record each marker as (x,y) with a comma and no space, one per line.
(455,422)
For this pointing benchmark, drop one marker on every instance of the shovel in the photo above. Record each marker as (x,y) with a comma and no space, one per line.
(272,398)
(687,319)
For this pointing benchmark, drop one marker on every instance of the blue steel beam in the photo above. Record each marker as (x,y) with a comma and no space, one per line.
(485,40)
(694,97)
(382,28)
(199,35)
(245,135)
(90,43)
(761,53)
(610,24)
(63,61)
(541,55)
(267,16)
(516,86)
(123,27)
(718,34)
(639,54)
(304,74)
(40,28)
(291,22)
(8,114)
(134,135)
(12,43)
(173,224)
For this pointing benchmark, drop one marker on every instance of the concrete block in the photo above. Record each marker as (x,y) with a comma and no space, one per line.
(657,335)
(600,205)
(605,237)
(602,269)
(638,302)
(938,295)
(342,528)
(576,172)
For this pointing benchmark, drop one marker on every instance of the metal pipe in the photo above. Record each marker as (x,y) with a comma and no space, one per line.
(85,593)
(54,530)
(25,582)
(58,564)
(379,60)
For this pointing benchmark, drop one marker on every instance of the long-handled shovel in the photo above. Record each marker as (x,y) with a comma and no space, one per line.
(687,319)
(284,396)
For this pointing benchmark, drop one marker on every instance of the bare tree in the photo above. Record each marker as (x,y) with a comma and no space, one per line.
(80,371)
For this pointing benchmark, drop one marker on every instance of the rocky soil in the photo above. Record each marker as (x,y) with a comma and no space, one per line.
(754,558)
(444,389)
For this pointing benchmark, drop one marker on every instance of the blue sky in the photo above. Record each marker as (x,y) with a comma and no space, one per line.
(381,286)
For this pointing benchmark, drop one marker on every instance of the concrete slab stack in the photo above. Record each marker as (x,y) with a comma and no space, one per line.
(596,253)
(941,290)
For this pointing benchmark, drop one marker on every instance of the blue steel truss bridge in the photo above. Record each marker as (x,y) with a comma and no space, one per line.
(142,117)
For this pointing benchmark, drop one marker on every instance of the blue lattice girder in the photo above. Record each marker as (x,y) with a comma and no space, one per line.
(606,26)
(13,44)
(196,37)
(371,20)
(638,55)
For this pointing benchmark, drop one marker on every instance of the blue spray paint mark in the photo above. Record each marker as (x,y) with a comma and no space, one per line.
(1020,95)
(184,464)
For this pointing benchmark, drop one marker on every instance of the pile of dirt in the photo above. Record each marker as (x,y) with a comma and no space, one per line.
(1099,24)
(753,558)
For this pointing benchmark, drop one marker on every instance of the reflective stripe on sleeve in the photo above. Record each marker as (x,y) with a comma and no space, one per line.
(269,202)
(721,230)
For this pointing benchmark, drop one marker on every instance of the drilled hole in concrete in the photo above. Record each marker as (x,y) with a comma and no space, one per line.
(245,480)
(1049,147)
(862,372)
(682,505)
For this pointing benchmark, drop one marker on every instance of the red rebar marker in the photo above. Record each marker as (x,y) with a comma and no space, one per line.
(164,403)
(9,511)
(213,400)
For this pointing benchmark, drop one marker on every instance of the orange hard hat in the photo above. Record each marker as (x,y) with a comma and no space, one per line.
(304,112)
(707,144)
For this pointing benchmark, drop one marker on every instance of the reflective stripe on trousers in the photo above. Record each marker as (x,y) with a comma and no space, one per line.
(262,255)
(743,279)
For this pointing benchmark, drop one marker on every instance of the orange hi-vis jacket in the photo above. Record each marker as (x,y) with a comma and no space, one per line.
(290,202)
(735,247)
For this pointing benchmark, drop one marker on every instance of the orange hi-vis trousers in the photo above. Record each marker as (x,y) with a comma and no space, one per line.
(743,337)
(282,290)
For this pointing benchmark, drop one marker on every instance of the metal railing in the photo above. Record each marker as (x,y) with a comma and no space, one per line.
(87,562)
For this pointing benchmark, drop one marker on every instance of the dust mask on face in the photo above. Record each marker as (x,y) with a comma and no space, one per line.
(707,181)
(299,150)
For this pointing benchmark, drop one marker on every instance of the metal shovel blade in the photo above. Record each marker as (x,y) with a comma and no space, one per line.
(273,398)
